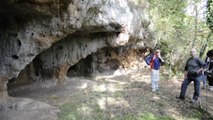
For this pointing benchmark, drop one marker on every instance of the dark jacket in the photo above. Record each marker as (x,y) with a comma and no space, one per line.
(193,65)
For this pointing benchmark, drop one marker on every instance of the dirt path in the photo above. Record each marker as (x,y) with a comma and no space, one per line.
(125,95)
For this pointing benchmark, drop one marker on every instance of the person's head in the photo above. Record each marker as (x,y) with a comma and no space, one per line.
(210,54)
(157,52)
(193,52)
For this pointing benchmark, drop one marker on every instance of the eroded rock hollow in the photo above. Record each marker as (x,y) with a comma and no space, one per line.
(45,38)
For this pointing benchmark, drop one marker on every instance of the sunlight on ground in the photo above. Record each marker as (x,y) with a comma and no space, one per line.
(156,97)
(108,101)
(105,87)
(174,113)
(115,81)
(85,109)
(144,78)
(176,81)
(84,86)
(122,72)
(115,74)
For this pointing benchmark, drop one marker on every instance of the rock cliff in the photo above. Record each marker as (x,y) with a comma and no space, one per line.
(53,35)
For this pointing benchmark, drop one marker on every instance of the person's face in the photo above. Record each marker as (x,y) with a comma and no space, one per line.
(158,52)
(193,52)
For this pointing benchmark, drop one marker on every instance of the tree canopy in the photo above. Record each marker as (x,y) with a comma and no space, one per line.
(179,26)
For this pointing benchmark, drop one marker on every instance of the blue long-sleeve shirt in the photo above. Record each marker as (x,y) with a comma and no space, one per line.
(157,63)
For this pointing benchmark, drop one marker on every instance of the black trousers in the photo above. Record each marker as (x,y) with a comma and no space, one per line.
(210,79)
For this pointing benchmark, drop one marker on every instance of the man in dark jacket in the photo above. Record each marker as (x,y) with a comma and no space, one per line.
(193,72)
(209,63)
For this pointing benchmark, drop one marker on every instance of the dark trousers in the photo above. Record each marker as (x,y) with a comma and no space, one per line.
(185,84)
(210,79)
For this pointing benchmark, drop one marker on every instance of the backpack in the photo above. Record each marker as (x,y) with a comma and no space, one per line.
(148,59)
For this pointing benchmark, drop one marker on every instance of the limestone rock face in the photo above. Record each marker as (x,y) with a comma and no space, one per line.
(27,109)
(62,32)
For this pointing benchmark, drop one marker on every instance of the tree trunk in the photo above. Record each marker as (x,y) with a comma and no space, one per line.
(195,31)
(203,49)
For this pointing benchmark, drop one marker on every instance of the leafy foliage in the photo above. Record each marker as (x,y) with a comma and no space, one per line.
(177,31)
(210,14)
(179,27)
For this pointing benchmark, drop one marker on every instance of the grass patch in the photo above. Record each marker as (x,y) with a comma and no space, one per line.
(160,104)
(129,116)
(69,112)
(200,114)
(72,111)
(150,116)
(197,115)
(98,113)
(118,94)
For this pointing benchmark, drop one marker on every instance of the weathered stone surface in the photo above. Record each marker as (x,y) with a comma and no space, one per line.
(82,27)
(3,88)
(26,109)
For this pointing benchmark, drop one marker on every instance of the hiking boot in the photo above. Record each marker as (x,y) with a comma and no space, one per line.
(180,98)
(193,101)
